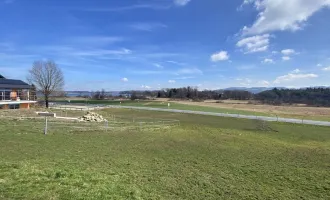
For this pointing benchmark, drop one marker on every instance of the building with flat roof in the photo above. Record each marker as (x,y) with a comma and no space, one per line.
(15,94)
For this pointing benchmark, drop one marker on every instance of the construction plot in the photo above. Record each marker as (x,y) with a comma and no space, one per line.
(78,121)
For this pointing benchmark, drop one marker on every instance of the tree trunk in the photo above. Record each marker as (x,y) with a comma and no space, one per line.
(47,101)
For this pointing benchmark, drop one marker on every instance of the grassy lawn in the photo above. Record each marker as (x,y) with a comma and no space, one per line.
(205,158)
(157,104)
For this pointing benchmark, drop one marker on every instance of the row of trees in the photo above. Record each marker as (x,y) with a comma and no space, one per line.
(193,93)
(237,95)
(47,78)
(309,96)
(100,95)
(179,93)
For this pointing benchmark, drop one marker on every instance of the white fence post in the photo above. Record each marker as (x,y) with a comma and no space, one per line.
(106,126)
(46,125)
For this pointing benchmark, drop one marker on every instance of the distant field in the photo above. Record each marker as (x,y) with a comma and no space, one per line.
(205,158)
(294,111)
(164,105)
(231,107)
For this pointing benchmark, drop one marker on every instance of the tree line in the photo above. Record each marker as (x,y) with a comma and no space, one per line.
(308,96)
(185,93)
(194,94)
(47,78)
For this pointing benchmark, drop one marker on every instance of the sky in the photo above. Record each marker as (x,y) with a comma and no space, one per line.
(153,44)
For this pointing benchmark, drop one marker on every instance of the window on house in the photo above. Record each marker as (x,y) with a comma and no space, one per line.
(5,94)
(14,106)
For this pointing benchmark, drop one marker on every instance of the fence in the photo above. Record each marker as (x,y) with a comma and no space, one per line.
(66,121)
(76,107)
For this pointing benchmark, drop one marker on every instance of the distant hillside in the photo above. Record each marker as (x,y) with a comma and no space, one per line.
(316,96)
(254,90)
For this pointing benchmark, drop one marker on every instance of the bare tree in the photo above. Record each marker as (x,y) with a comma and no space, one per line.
(47,77)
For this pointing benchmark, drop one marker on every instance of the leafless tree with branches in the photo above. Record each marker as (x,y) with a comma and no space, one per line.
(47,77)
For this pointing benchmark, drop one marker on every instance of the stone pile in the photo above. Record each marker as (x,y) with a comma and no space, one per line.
(92,117)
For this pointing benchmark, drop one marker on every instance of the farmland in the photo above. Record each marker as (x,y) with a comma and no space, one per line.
(231,107)
(204,158)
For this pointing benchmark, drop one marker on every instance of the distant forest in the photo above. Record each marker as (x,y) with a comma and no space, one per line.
(308,96)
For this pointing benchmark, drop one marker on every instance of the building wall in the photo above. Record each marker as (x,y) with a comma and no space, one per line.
(4,107)
(24,106)
(21,106)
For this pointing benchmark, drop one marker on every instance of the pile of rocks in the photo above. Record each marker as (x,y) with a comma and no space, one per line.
(92,117)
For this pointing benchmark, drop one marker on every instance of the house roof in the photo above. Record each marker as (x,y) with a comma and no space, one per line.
(13,84)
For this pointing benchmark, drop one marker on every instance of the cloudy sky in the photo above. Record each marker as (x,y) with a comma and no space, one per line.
(152,44)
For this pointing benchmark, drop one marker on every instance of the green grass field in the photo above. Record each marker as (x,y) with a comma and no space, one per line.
(163,105)
(205,158)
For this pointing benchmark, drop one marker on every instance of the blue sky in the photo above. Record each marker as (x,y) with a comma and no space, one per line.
(153,44)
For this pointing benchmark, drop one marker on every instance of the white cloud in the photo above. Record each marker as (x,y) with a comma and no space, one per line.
(296,71)
(158,65)
(263,83)
(254,44)
(147,26)
(95,40)
(326,69)
(184,78)
(282,15)
(171,81)
(99,52)
(319,65)
(286,58)
(146,72)
(145,87)
(124,79)
(244,81)
(126,8)
(220,56)
(288,51)
(181,2)
(189,71)
(294,77)
(268,61)
(182,71)
(175,62)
